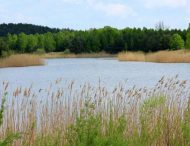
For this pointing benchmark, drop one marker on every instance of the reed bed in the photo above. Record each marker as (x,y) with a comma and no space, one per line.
(93,115)
(82,55)
(132,56)
(180,56)
(21,60)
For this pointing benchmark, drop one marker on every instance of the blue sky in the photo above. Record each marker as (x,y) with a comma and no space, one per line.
(85,14)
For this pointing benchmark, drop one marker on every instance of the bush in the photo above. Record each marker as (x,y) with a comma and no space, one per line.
(40,51)
(67,51)
(187,44)
(87,131)
(176,42)
(4,48)
(6,53)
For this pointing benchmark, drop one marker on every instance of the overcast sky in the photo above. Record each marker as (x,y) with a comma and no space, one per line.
(85,14)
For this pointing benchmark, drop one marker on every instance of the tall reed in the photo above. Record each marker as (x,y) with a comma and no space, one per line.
(21,60)
(92,115)
(179,56)
(81,55)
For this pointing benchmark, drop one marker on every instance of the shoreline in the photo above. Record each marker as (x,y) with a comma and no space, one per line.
(23,60)
(53,55)
(178,56)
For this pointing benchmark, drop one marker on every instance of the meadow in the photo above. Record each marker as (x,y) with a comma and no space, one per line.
(94,116)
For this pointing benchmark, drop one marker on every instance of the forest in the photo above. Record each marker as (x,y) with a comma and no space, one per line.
(27,38)
(25,28)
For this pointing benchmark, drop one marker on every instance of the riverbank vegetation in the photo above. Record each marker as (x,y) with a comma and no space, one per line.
(93,115)
(21,60)
(81,55)
(179,56)
(107,39)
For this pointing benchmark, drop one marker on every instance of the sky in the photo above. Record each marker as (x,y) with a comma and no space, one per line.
(85,14)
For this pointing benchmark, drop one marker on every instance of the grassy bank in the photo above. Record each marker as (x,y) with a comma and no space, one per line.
(180,56)
(21,60)
(94,116)
(82,55)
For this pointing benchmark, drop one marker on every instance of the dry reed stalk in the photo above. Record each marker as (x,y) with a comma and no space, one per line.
(21,61)
(44,116)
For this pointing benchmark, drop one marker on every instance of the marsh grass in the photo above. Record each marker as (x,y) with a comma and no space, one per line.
(93,116)
(131,56)
(21,60)
(180,56)
(82,55)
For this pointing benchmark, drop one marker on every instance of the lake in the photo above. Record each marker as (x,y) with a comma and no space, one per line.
(109,71)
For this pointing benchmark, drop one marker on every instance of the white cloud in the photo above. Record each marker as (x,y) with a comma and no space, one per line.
(9,16)
(109,8)
(165,3)
(112,9)
(17,18)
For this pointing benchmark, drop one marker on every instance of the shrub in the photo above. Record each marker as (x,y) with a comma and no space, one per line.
(67,51)
(4,48)
(40,51)
(7,53)
(176,42)
(87,130)
(187,44)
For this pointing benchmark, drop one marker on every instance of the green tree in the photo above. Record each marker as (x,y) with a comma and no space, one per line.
(59,38)
(92,41)
(106,39)
(32,43)
(4,48)
(22,42)
(12,40)
(187,45)
(78,43)
(49,42)
(176,42)
(40,41)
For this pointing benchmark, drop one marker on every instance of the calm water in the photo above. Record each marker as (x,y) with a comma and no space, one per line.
(110,71)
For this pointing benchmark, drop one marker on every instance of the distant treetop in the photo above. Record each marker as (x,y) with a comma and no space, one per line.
(25,28)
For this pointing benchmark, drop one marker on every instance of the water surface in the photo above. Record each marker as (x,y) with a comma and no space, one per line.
(109,71)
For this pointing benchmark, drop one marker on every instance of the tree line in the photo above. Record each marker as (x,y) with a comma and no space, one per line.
(108,39)
(25,28)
